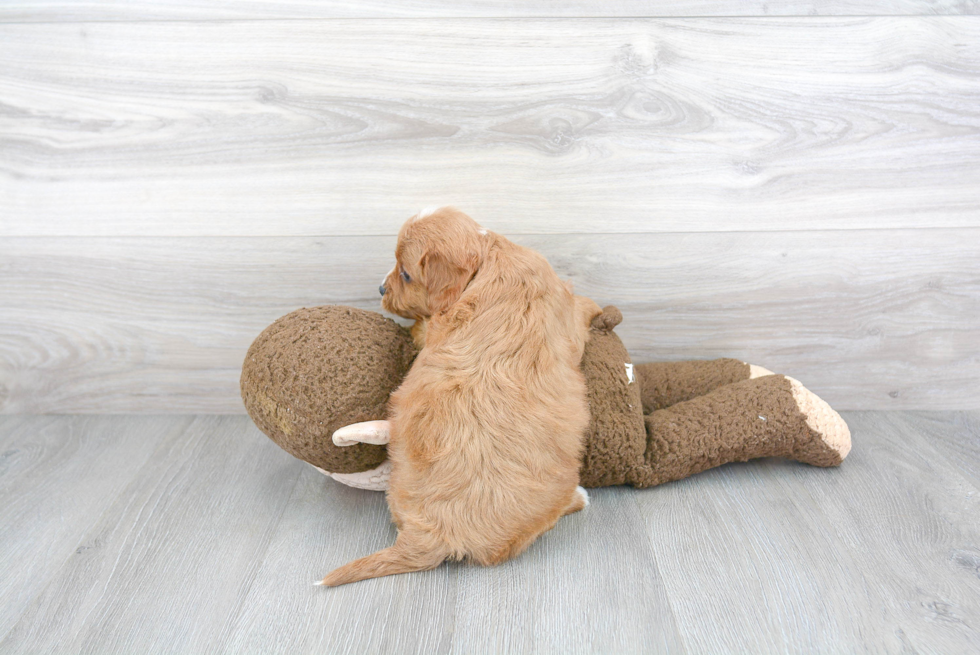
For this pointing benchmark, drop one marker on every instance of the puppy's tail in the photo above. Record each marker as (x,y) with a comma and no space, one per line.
(403,557)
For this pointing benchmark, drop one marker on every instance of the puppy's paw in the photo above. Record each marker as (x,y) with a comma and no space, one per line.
(580,500)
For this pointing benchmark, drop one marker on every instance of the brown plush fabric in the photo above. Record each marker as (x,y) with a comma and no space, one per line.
(316,370)
(668,383)
(616,437)
(734,423)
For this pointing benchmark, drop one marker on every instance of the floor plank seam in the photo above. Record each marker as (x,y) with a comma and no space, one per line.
(272,530)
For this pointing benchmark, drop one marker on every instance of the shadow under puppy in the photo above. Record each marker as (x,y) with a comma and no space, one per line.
(487,428)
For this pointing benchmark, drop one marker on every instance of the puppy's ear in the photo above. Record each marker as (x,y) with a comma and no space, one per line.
(446,278)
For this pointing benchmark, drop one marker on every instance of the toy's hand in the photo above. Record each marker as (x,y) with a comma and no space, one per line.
(373,432)
(375,479)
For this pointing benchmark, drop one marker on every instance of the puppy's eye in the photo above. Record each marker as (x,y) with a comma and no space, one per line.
(406,277)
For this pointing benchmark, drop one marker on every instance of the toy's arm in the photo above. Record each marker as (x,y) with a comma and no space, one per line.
(372,432)
(375,479)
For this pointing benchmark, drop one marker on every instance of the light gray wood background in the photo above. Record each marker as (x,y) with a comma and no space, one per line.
(68,10)
(794,184)
(202,536)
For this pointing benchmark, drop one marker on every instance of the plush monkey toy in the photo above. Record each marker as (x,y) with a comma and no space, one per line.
(317,383)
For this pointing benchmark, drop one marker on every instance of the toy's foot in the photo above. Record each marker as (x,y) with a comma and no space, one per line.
(757,371)
(828,425)
(373,432)
(375,479)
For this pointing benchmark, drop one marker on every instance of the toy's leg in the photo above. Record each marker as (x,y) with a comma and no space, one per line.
(771,416)
(663,384)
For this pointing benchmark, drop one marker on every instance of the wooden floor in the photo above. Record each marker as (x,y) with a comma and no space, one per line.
(193,534)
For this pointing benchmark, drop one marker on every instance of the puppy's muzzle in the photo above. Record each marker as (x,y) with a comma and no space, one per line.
(382,289)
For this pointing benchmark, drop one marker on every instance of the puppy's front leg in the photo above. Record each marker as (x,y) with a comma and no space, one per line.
(418,333)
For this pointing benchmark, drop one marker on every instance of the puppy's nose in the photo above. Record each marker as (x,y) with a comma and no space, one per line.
(382,289)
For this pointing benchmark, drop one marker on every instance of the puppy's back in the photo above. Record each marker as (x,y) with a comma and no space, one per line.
(487,427)
(490,419)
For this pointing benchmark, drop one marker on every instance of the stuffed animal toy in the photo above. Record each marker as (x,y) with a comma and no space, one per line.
(317,383)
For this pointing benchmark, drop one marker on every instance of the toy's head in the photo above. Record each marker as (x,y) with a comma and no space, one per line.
(316,370)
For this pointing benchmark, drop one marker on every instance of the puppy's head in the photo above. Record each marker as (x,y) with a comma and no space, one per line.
(438,253)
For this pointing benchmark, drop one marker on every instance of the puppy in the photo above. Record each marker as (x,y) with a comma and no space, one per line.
(487,428)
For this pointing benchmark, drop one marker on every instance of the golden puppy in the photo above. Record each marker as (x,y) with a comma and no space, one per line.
(487,428)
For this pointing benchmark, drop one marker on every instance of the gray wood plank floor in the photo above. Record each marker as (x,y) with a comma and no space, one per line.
(197,534)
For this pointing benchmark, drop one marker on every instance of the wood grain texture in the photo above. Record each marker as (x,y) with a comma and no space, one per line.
(212,544)
(590,585)
(957,437)
(57,476)
(165,567)
(877,556)
(537,126)
(457,608)
(68,10)
(867,319)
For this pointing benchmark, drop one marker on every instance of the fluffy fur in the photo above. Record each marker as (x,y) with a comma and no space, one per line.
(487,428)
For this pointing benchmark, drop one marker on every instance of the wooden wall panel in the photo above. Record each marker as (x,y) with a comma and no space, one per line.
(291,128)
(69,10)
(867,319)
(803,193)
